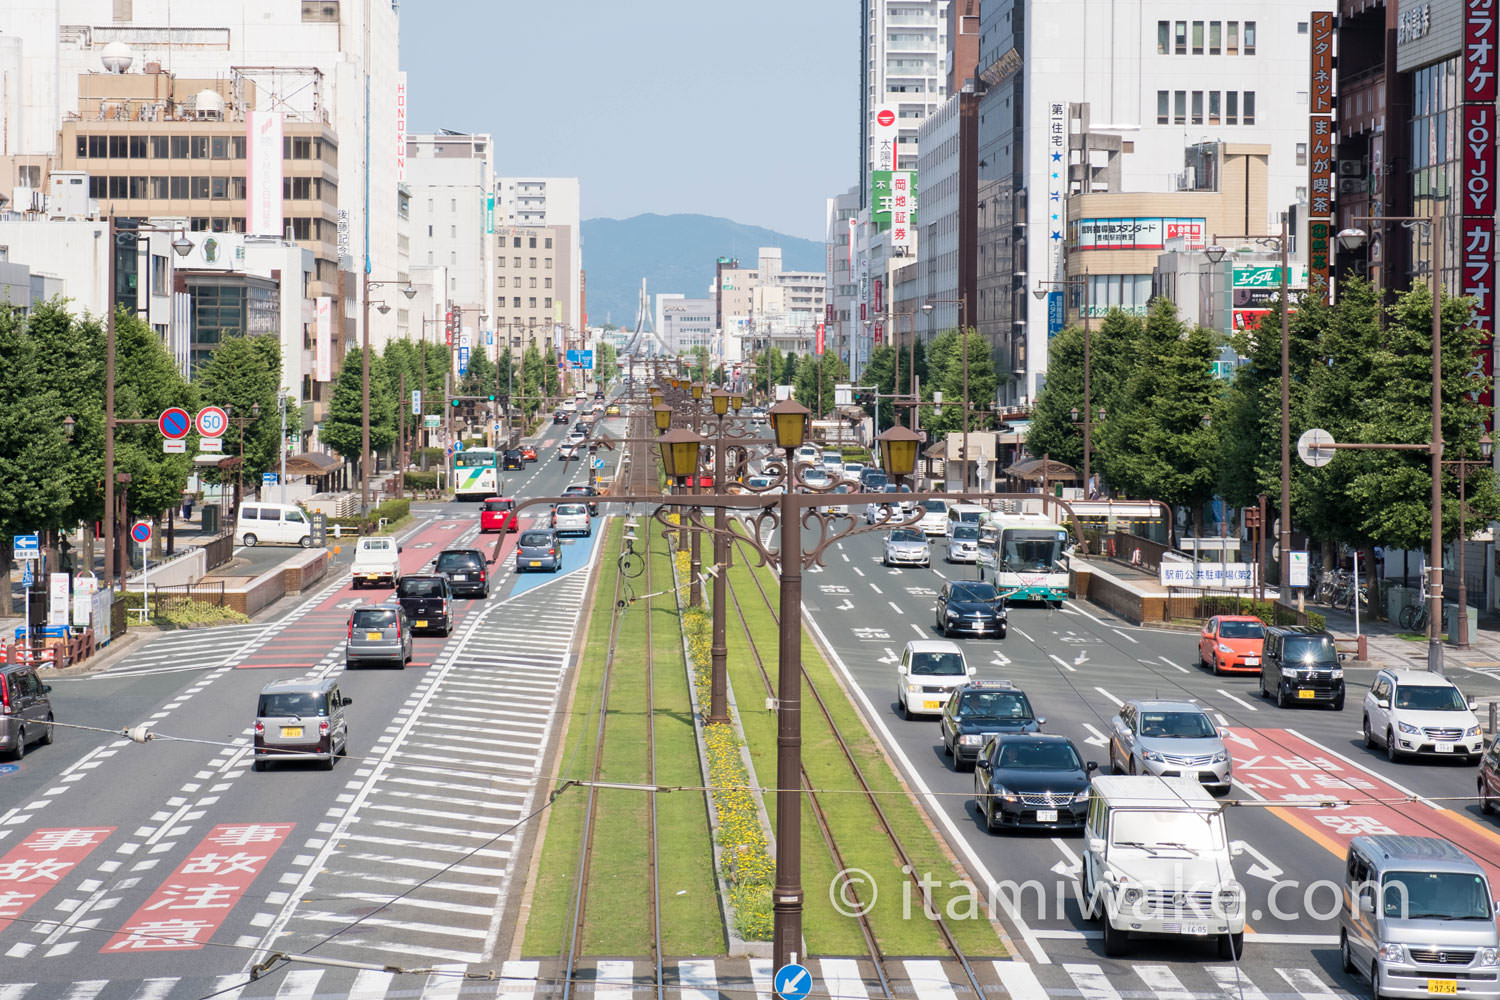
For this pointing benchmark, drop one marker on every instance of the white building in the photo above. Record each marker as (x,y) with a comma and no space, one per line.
(548,201)
(454,209)
(1154,77)
(904,46)
(687,324)
(766,306)
(318,57)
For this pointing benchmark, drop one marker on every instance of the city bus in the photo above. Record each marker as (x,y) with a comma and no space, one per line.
(476,474)
(1024,556)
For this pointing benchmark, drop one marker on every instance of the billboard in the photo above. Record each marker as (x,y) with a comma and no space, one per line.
(400,128)
(325,338)
(1137,233)
(1477,180)
(1320,150)
(263,136)
(883,197)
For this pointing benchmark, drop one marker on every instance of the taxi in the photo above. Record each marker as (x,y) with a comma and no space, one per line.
(497,514)
(1232,644)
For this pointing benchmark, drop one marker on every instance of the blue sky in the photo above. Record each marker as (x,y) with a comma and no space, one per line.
(743,110)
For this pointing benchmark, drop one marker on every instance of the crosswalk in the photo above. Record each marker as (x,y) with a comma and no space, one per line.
(727,979)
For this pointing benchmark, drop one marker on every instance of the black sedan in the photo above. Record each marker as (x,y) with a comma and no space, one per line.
(584,491)
(1036,781)
(971,606)
(981,710)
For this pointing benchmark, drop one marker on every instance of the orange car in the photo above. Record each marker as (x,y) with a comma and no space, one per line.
(528,452)
(1231,644)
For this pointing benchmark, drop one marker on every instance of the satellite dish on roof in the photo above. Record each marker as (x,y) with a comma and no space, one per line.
(116,57)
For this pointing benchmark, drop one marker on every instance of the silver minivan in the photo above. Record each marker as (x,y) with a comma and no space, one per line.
(25,709)
(378,633)
(1418,919)
(301,719)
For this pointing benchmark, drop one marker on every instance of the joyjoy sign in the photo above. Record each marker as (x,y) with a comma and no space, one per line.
(1477,177)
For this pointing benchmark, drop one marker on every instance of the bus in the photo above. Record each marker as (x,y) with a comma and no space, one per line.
(476,474)
(1024,556)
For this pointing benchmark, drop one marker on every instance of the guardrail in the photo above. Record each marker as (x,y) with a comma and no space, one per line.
(55,652)
(218,550)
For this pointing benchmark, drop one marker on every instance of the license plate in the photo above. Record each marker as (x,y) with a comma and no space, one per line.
(1443,747)
(372,576)
(421,623)
(1199,929)
(536,562)
(1252,661)
(932,704)
(1304,693)
(1442,986)
(372,636)
(460,576)
(1046,815)
(291,732)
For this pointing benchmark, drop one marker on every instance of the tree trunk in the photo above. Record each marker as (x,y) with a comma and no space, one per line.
(7,607)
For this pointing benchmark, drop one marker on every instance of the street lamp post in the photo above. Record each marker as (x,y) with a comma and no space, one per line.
(365,459)
(718,685)
(1088,338)
(963,333)
(695,565)
(1353,239)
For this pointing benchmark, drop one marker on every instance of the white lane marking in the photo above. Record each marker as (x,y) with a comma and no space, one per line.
(1092,983)
(1096,738)
(841,979)
(859,571)
(1306,983)
(1111,697)
(1122,635)
(1023,635)
(1063,663)
(1161,979)
(1080,609)
(1174,666)
(1019,981)
(895,607)
(919,629)
(929,981)
(760,975)
(875,588)
(1240,702)
(1233,984)
(90,988)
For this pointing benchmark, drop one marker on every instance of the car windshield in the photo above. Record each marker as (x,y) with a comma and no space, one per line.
(875,481)
(1045,756)
(1242,630)
(375,545)
(979,706)
(908,535)
(458,560)
(536,538)
(1155,830)
(1435,896)
(934,507)
(965,532)
(570,510)
(1430,698)
(284,703)
(1309,649)
(375,617)
(938,664)
(416,586)
(1031,548)
(983,592)
(1177,725)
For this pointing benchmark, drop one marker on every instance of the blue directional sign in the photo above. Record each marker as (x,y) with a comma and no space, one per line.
(463,360)
(26,547)
(268,479)
(9,769)
(26,578)
(792,982)
(598,463)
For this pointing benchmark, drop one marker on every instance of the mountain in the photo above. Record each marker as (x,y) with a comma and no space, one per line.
(674,253)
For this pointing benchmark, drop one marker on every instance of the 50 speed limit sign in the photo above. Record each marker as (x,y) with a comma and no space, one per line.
(212,421)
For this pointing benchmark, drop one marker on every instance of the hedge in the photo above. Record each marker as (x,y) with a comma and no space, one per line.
(422,480)
(391,510)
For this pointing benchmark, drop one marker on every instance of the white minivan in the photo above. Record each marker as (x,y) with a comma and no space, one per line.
(272,523)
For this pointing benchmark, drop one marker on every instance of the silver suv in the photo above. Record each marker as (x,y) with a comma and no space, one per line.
(1170,739)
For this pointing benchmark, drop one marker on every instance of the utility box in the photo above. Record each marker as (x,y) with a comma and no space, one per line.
(210,518)
(1397,598)
(1450,622)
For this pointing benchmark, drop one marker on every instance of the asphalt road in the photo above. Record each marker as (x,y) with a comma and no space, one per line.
(166,867)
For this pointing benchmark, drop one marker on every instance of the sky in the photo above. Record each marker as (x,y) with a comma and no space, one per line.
(748,111)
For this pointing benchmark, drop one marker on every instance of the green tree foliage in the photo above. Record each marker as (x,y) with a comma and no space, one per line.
(947,374)
(808,382)
(244,374)
(146,383)
(606,363)
(74,370)
(879,372)
(479,380)
(341,429)
(789,366)
(1112,351)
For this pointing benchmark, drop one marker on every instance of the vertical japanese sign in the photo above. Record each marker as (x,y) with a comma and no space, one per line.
(879,297)
(883,137)
(818,348)
(903,210)
(879,332)
(1057,162)
(400,127)
(489,213)
(263,137)
(1320,153)
(852,225)
(325,338)
(1477,246)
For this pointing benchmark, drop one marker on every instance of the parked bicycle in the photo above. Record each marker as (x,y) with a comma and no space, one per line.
(1413,617)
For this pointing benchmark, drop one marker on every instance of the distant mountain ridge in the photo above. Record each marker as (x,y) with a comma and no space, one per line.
(674,253)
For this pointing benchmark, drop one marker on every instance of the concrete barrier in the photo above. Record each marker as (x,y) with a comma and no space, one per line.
(290,576)
(186,566)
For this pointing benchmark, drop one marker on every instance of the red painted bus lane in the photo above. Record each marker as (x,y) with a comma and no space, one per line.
(36,864)
(1281,766)
(189,906)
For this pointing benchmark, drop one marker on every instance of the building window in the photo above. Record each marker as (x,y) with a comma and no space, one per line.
(1249,38)
(178,187)
(237,188)
(301,147)
(515,262)
(1301,154)
(499,261)
(1214,113)
(237,147)
(547,263)
(1232,38)
(179,147)
(159,147)
(515,282)
(1197,107)
(1179,107)
(301,228)
(1180,38)
(219,225)
(453,204)
(1215,33)
(159,189)
(547,243)
(515,243)
(1301,27)
(1248,118)
(515,303)
(1163,38)
(1231,107)
(1197,38)
(218,187)
(547,303)
(198,145)
(546,282)
(198,187)
(219,147)
(118,149)
(531,262)
(320,11)
(98,187)
(1163,107)
(533,283)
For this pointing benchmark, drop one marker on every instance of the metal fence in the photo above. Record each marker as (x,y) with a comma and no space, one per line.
(218,549)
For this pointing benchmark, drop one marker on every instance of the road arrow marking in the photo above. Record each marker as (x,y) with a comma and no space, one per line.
(1080,659)
(1070,867)
(1174,666)
(1243,741)
(1063,663)
(1096,738)
(1243,704)
(1001,660)
(889,657)
(848,605)
(1263,867)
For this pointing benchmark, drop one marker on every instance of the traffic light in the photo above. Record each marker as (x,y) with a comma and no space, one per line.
(492,397)
(455,403)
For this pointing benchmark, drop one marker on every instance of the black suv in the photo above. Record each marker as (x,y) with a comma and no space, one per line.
(584,490)
(513,459)
(980,710)
(465,570)
(1300,665)
(428,603)
(560,417)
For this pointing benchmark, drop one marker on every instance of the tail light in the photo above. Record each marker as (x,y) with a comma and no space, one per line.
(552,552)
(398,627)
(351,629)
(260,728)
(481,576)
(322,727)
(4,696)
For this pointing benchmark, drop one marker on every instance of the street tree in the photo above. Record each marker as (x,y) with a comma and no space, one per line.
(1112,353)
(814,381)
(947,374)
(341,429)
(241,375)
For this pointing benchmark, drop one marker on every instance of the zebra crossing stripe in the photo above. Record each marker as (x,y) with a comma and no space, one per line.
(518,979)
(300,984)
(370,984)
(614,980)
(1161,980)
(929,980)
(1234,984)
(842,979)
(1092,983)
(697,980)
(1020,981)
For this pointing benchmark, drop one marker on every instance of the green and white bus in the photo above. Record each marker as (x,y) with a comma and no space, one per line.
(476,474)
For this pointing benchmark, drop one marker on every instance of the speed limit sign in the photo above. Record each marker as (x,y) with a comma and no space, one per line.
(211,421)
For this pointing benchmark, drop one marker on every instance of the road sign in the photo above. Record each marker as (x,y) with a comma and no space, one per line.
(598,463)
(268,479)
(458,446)
(170,447)
(210,444)
(26,580)
(1313,448)
(212,421)
(416,402)
(174,423)
(792,982)
(141,531)
(495,427)
(432,420)
(26,547)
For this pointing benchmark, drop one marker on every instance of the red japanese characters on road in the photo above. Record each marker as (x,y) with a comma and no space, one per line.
(189,906)
(36,864)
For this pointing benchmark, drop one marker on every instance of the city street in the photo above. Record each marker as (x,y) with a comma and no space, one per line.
(167,867)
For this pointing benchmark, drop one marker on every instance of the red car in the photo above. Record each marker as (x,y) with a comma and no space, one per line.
(1232,644)
(497,514)
(528,452)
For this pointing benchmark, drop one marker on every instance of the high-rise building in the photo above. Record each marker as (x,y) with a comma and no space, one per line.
(531,286)
(902,68)
(453,217)
(550,201)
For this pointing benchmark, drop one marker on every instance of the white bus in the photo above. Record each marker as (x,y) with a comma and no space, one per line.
(1024,556)
(475,474)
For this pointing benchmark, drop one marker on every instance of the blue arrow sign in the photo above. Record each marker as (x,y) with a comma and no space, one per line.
(9,768)
(792,982)
(26,546)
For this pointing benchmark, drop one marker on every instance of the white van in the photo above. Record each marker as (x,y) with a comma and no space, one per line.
(965,513)
(274,524)
(1156,860)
